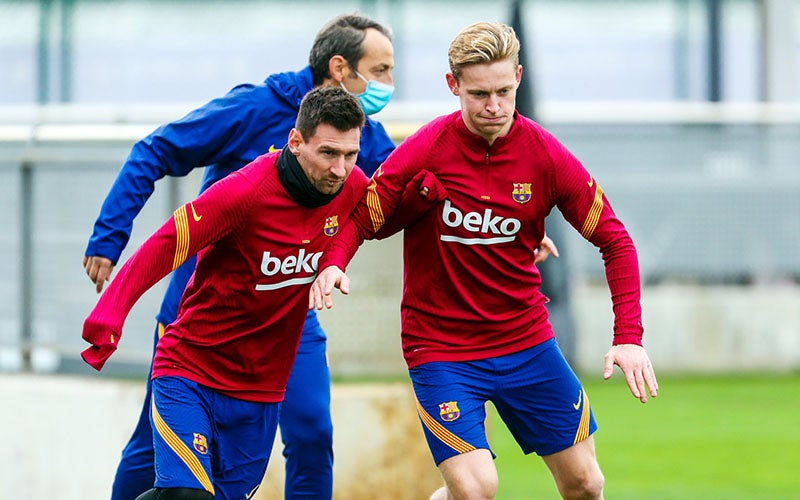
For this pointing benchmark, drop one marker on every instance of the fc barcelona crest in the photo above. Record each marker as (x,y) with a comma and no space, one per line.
(331,225)
(449,411)
(521,192)
(200,443)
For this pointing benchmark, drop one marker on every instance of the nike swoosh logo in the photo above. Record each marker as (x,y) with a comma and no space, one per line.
(272,148)
(252,492)
(591,181)
(194,214)
(578,404)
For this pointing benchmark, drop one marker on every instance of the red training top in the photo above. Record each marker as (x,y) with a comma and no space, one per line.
(471,289)
(241,316)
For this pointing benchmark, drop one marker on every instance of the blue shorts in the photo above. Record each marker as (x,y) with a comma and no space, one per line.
(206,440)
(535,391)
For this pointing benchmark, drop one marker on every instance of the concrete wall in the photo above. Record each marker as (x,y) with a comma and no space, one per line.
(60,437)
(698,329)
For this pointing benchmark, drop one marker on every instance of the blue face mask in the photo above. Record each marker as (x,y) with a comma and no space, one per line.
(375,97)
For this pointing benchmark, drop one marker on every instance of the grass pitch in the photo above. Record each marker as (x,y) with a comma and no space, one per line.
(704,437)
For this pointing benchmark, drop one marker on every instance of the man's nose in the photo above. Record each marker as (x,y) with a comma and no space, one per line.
(339,166)
(493,104)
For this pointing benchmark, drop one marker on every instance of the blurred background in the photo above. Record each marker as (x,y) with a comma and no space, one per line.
(687,112)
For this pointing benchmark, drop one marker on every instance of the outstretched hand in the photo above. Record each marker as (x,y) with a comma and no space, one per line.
(635,365)
(321,289)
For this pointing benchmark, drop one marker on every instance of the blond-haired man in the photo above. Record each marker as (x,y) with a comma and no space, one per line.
(474,323)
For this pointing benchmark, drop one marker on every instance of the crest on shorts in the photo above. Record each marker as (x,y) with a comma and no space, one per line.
(200,443)
(331,225)
(449,411)
(521,192)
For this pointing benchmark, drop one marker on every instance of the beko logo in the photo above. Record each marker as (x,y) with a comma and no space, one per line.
(301,263)
(491,228)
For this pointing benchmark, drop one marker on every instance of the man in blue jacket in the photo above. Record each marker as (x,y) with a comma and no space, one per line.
(351,51)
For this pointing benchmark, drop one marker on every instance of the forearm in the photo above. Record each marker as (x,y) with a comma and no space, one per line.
(182,236)
(103,327)
(622,274)
(160,254)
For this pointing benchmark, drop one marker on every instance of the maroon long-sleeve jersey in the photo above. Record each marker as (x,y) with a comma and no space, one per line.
(241,316)
(471,289)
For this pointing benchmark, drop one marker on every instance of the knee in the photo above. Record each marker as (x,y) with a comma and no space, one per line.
(175,494)
(478,490)
(473,487)
(469,476)
(585,486)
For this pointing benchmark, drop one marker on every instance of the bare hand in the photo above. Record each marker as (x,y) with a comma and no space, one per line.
(99,270)
(546,247)
(635,365)
(320,293)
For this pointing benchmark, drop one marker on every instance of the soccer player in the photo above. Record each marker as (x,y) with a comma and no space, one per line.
(352,52)
(220,369)
(474,323)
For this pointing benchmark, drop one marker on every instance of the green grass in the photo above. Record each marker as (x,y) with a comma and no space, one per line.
(704,437)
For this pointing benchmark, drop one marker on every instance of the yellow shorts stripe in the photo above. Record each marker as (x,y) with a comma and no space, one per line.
(583,426)
(443,434)
(183,451)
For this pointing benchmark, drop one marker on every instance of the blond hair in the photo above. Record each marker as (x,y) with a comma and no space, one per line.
(482,43)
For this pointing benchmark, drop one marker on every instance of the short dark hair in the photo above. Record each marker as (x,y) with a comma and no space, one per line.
(329,105)
(342,35)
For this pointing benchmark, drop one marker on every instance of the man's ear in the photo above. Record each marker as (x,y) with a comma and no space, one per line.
(452,83)
(295,141)
(338,68)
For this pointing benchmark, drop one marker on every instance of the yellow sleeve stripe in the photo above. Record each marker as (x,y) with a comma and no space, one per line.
(590,224)
(583,426)
(182,236)
(374,204)
(180,449)
(443,434)
(161,329)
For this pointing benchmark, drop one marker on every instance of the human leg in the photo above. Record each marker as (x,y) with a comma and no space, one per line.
(183,434)
(576,471)
(306,424)
(244,432)
(136,472)
(468,476)
(205,440)
(451,400)
(547,410)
